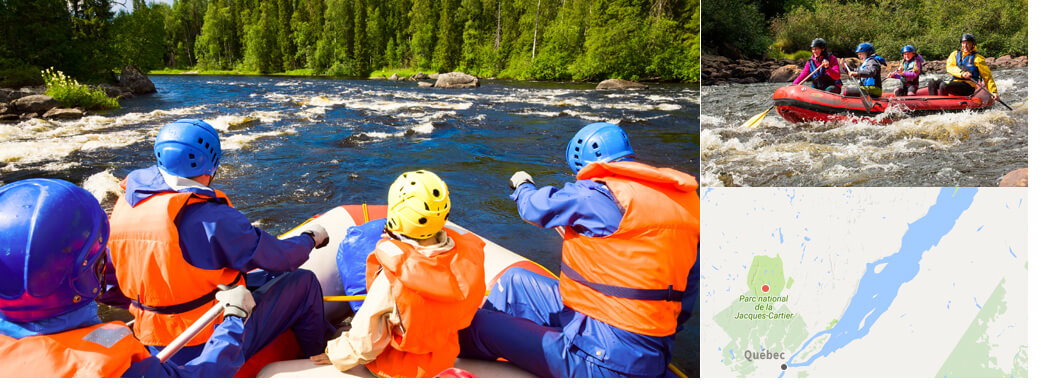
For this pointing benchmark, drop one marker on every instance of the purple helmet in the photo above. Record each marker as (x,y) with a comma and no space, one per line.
(52,247)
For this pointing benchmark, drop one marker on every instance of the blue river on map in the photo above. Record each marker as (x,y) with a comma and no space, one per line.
(882,279)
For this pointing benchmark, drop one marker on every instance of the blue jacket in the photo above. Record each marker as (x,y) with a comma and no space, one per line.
(589,208)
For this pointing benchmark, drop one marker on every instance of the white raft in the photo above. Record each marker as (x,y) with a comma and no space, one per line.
(323,263)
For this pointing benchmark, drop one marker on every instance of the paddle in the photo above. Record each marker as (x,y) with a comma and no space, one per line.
(976,85)
(190,333)
(755,120)
(864,96)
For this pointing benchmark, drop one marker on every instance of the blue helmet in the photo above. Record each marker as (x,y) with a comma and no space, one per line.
(908,49)
(52,236)
(597,142)
(865,47)
(188,148)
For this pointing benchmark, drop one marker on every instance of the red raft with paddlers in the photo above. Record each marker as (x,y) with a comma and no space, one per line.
(804,104)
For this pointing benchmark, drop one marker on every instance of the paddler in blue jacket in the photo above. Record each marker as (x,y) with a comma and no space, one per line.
(627,277)
(54,234)
(968,70)
(869,73)
(174,239)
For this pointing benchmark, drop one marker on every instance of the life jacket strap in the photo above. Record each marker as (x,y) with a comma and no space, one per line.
(642,294)
(184,307)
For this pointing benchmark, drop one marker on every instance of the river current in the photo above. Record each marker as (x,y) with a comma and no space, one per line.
(972,149)
(296,147)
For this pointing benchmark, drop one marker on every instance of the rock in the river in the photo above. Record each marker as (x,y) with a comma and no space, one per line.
(63,113)
(619,84)
(135,81)
(424,84)
(785,73)
(35,104)
(457,80)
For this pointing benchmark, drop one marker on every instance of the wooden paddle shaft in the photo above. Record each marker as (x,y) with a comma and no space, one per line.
(190,333)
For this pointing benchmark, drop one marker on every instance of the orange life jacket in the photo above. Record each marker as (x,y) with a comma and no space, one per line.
(100,351)
(634,278)
(435,297)
(168,293)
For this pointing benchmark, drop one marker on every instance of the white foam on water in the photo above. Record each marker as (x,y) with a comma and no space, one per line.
(711,121)
(227,123)
(668,107)
(424,128)
(37,140)
(480,117)
(238,141)
(267,116)
(102,184)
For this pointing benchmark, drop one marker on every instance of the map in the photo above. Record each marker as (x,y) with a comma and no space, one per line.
(868,282)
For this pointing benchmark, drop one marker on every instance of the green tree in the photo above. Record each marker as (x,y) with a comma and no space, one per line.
(262,51)
(423,28)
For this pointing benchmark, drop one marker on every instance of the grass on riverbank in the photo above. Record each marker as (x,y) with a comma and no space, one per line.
(70,93)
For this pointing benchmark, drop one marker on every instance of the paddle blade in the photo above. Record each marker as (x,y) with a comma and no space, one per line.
(866,99)
(755,120)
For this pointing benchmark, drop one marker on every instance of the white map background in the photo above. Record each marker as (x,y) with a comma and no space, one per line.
(825,236)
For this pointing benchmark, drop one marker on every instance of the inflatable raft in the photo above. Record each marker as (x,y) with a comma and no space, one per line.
(281,357)
(804,104)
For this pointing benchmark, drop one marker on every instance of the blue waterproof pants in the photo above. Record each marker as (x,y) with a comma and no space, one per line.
(525,322)
(292,300)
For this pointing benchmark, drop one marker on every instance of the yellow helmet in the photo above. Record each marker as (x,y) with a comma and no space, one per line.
(417,204)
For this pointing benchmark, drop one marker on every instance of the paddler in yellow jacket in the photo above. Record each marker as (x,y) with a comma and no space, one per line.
(968,69)
(424,282)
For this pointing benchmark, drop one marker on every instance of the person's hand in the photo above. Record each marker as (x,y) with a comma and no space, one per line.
(966,75)
(321,359)
(518,178)
(825,63)
(996,97)
(237,301)
(852,75)
(317,233)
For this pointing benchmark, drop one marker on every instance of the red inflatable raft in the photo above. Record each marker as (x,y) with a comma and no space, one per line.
(804,104)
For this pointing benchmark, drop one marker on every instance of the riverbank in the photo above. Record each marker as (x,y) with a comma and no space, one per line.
(723,70)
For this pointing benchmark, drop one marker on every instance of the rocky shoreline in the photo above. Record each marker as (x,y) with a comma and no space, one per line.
(32,102)
(723,70)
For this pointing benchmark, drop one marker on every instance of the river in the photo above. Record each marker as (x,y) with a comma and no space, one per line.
(955,149)
(295,147)
(883,278)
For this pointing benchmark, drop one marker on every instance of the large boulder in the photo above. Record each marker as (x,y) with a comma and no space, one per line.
(785,73)
(419,76)
(63,113)
(619,84)
(457,80)
(35,104)
(424,84)
(3,108)
(394,77)
(135,81)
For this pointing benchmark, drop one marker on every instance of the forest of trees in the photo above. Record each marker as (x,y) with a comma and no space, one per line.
(524,39)
(758,28)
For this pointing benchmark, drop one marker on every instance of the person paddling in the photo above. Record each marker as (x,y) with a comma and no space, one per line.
(627,281)
(827,77)
(968,70)
(424,283)
(908,72)
(869,73)
(54,236)
(175,239)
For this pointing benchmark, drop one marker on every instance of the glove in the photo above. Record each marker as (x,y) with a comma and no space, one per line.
(317,233)
(518,178)
(237,301)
